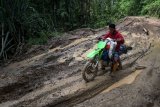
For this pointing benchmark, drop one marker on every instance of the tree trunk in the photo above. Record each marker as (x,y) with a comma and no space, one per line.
(2,48)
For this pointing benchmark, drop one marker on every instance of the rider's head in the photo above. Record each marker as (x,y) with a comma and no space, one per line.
(112,28)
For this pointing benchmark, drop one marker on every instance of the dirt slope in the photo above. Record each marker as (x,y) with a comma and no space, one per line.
(53,77)
(143,92)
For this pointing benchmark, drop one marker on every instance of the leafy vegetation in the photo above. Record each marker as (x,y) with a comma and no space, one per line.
(33,21)
(152,8)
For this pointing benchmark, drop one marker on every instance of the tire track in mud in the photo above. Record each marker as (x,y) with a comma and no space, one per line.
(143,92)
(32,81)
(32,76)
(25,88)
(81,97)
(91,92)
(51,70)
(59,87)
(98,88)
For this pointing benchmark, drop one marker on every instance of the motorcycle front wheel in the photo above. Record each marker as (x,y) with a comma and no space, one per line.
(89,71)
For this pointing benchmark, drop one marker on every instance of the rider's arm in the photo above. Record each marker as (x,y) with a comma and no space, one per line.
(120,39)
(105,36)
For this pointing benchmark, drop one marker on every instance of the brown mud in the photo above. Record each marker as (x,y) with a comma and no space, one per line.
(50,75)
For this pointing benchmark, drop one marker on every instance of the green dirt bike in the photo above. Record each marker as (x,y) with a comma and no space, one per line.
(90,70)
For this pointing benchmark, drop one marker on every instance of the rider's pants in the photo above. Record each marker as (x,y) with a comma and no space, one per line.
(105,56)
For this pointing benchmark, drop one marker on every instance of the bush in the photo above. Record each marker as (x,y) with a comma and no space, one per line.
(152,9)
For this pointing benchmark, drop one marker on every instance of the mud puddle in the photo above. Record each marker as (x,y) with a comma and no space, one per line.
(127,80)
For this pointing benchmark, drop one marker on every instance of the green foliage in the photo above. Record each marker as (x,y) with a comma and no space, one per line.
(43,37)
(125,6)
(130,7)
(34,23)
(19,17)
(36,20)
(19,21)
(152,8)
(55,34)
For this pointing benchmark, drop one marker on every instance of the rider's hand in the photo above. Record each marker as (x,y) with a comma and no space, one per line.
(116,40)
(100,38)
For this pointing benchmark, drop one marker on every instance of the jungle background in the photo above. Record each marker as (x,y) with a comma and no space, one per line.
(34,22)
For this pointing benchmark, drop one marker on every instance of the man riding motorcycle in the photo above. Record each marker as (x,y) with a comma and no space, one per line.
(116,36)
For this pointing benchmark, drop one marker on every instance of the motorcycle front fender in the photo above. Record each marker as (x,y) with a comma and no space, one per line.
(93,53)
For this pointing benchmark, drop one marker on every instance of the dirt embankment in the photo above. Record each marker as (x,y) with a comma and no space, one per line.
(140,89)
(52,77)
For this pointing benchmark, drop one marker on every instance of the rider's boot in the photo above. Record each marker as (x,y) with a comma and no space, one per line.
(114,67)
(111,73)
(102,65)
(120,65)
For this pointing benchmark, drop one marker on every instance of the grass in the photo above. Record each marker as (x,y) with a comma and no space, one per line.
(43,38)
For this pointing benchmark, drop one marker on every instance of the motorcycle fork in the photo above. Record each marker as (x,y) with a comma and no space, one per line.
(96,59)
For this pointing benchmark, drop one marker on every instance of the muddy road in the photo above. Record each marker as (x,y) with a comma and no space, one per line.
(51,75)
